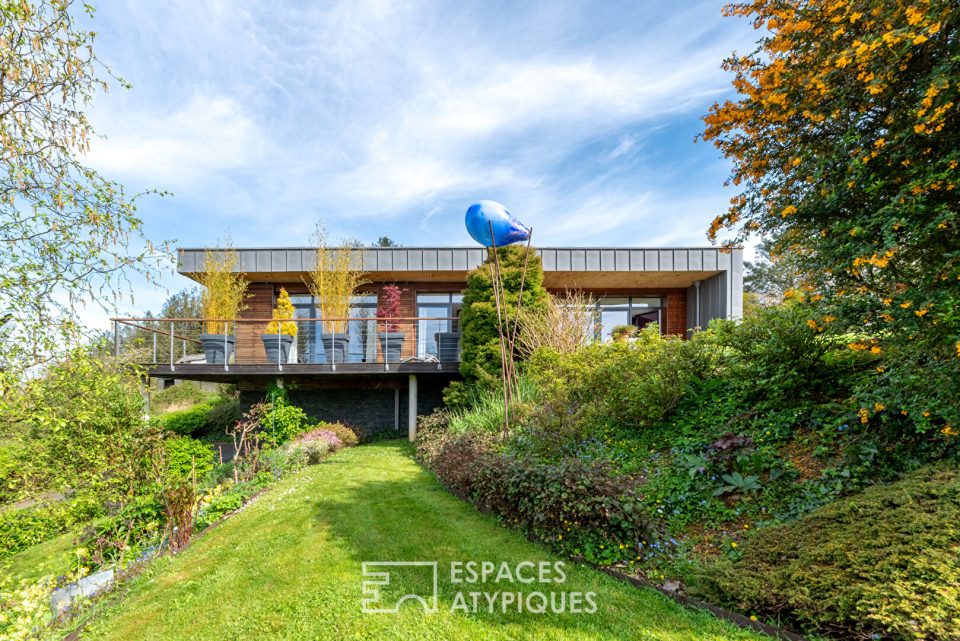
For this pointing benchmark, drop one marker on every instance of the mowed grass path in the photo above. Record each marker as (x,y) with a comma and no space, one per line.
(289,567)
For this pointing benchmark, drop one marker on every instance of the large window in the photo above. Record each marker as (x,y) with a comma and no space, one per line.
(362,331)
(639,311)
(436,338)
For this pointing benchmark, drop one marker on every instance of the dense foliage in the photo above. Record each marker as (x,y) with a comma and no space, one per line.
(629,384)
(80,427)
(881,563)
(573,506)
(281,420)
(845,140)
(21,528)
(156,489)
(210,418)
(481,361)
(188,458)
(187,422)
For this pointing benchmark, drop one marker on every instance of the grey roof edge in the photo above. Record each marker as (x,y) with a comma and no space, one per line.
(436,247)
(455,259)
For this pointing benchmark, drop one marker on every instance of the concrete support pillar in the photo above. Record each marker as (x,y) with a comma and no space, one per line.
(396,409)
(412,409)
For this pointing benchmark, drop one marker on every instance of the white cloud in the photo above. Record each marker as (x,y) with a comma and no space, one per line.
(181,146)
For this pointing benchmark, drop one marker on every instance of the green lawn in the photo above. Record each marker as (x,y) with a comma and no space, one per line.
(289,567)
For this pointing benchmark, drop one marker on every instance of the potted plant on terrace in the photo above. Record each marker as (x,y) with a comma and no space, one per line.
(224,290)
(391,338)
(332,282)
(448,343)
(281,331)
(623,333)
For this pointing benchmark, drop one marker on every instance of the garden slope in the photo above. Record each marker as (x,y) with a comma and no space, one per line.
(289,567)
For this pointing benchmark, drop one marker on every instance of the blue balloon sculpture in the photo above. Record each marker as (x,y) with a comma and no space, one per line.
(506,229)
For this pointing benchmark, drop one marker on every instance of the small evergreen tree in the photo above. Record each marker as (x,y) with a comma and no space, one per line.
(480,339)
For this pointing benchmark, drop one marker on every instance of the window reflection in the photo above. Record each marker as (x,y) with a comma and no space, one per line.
(438,338)
(639,311)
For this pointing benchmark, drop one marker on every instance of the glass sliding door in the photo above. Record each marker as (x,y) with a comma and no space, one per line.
(362,330)
(309,349)
(438,340)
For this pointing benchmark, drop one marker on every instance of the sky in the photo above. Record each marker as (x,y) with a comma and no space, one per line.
(261,118)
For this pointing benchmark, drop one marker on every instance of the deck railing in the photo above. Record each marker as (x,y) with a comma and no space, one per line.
(182,343)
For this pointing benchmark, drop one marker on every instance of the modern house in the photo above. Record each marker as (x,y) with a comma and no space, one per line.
(371,384)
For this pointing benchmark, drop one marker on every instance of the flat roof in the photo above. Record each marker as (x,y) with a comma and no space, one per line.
(296,260)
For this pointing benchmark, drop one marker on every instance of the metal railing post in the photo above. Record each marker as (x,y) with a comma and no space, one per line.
(279,349)
(154,348)
(439,326)
(116,338)
(226,353)
(333,353)
(172,367)
(386,348)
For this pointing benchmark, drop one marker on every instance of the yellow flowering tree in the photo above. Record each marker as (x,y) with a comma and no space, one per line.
(845,143)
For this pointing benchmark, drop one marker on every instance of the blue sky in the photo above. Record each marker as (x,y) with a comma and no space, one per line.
(390,118)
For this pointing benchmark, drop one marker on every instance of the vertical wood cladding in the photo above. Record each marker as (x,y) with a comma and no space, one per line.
(258,305)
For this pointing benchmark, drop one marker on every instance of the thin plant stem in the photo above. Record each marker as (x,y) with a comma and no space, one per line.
(516,325)
(496,282)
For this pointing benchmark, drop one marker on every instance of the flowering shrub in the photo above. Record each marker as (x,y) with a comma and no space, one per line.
(347,435)
(865,205)
(321,435)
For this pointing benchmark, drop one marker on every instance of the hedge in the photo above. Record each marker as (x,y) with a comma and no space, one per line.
(188,422)
(580,509)
(21,529)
